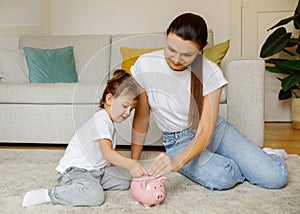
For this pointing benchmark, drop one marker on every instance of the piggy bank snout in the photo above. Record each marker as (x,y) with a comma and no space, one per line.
(159,196)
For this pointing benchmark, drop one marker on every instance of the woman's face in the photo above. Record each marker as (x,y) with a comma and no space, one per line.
(180,53)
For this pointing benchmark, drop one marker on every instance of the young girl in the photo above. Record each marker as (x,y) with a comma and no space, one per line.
(90,164)
(182,89)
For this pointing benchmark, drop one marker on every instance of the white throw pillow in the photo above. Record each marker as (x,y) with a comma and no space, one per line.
(13,67)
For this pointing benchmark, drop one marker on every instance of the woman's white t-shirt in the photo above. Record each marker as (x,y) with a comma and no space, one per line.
(83,150)
(168,91)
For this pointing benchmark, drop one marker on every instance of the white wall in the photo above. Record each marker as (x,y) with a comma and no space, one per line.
(22,17)
(105,16)
(134,16)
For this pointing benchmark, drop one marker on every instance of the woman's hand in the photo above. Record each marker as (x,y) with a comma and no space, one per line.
(136,169)
(160,165)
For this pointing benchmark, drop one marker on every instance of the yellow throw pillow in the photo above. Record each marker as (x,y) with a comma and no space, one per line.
(130,55)
(217,52)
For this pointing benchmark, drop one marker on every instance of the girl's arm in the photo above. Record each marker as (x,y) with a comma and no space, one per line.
(162,163)
(140,125)
(115,158)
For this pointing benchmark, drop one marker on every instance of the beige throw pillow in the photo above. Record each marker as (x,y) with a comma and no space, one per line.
(13,67)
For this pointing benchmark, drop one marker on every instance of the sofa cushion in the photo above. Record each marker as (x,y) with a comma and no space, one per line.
(51,65)
(155,40)
(51,93)
(91,52)
(13,66)
(217,52)
(130,55)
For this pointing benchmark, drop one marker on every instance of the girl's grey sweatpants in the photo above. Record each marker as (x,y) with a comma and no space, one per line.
(80,187)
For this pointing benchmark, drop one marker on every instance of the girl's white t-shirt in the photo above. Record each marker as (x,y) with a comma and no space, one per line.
(168,91)
(83,150)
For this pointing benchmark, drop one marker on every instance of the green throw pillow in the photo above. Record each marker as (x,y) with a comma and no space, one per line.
(51,65)
(217,53)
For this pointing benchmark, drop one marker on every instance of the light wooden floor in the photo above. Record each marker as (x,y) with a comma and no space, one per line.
(277,136)
(282,136)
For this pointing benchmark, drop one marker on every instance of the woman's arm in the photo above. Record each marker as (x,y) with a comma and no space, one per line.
(140,125)
(162,163)
(115,158)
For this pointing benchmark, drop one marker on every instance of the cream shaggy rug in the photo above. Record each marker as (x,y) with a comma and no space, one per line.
(24,170)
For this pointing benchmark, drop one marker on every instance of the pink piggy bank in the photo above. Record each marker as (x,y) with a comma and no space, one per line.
(148,190)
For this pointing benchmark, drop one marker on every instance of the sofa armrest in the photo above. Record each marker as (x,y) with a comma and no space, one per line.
(245,97)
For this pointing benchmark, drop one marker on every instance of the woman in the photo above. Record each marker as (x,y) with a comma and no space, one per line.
(182,89)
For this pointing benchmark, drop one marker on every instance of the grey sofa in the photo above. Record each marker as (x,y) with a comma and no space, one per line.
(50,113)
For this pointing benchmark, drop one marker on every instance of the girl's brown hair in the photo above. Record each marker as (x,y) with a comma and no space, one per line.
(120,82)
(192,27)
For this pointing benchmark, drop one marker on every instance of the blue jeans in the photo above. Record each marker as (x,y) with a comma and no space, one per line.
(230,158)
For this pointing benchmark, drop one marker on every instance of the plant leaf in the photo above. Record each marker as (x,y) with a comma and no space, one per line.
(298,49)
(292,42)
(273,69)
(283,95)
(274,60)
(289,82)
(293,66)
(285,21)
(298,46)
(275,42)
(297,20)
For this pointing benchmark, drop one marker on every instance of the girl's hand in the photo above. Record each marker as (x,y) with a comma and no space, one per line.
(160,165)
(136,169)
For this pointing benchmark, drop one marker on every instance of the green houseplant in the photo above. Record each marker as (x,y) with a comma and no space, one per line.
(281,41)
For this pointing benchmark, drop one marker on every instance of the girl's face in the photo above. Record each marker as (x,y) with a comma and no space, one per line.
(180,53)
(119,108)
